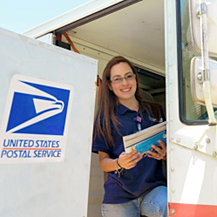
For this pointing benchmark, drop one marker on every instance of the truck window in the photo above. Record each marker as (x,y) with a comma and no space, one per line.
(190,112)
(152,86)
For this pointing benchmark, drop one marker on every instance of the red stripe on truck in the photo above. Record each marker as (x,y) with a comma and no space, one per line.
(192,210)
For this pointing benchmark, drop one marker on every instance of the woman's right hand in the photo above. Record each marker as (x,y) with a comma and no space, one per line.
(129,160)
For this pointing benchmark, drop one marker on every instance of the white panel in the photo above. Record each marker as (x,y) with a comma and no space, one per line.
(193,177)
(48,38)
(49,189)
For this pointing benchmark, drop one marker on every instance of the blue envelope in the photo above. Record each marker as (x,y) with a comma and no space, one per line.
(146,144)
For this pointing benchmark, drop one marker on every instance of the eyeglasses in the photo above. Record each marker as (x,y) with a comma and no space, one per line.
(128,77)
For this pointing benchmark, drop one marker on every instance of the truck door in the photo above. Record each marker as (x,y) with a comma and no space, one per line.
(47,103)
(191,69)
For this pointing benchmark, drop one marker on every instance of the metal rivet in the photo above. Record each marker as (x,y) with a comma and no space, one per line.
(199,76)
(172,147)
(172,169)
(198,13)
(208,140)
(214,154)
(195,147)
(172,190)
(178,140)
(172,211)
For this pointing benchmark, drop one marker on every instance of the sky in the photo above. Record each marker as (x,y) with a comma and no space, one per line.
(22,15)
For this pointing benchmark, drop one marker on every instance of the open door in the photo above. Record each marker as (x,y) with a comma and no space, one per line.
(47,104)
(192,158)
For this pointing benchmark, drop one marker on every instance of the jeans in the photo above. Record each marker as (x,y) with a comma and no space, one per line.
(152,204)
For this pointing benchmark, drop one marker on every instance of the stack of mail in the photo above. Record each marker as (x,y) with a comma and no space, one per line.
(144,139)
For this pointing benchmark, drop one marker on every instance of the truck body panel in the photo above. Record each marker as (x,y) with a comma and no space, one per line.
(37,79)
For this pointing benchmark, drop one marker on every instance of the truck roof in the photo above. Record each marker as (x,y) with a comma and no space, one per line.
(70,17)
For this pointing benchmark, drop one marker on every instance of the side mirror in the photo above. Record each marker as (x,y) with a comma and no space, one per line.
(210,10)
(197,81)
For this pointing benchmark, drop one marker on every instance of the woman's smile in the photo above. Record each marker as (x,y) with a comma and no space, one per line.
(126,90)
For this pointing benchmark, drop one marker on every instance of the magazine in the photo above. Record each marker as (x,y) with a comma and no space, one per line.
(143,140)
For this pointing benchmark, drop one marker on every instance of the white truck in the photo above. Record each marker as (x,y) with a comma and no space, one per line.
(48,101)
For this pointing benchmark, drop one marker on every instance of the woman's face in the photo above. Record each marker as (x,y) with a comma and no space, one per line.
(124,89)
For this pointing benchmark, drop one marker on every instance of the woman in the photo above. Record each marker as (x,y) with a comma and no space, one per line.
(136,185)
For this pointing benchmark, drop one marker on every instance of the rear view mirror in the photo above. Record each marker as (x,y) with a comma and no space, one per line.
(211,11)
(197,81)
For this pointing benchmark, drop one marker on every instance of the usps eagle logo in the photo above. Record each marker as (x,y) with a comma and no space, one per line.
(37,107)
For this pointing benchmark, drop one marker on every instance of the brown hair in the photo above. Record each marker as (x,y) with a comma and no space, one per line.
(108,101)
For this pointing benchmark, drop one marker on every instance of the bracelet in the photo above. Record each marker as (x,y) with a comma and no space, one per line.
(118,171)
(119,164)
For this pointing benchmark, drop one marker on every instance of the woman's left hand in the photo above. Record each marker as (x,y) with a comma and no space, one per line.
(160,151)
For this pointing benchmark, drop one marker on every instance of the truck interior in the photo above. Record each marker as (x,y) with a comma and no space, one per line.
(133,29)
(134,32)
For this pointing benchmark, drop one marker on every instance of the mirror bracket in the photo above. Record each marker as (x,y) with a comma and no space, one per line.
(202,8)
(205,63)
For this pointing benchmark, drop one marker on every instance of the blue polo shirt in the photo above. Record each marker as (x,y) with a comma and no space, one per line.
(145,176)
